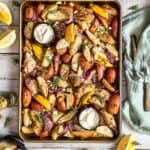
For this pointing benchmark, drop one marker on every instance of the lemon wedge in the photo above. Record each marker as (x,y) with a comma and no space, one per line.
(7,38)
(126,143)
(70,33)
(5,14)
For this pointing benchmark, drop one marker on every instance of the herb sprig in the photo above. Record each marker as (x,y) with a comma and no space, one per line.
(134,7)
(7,121)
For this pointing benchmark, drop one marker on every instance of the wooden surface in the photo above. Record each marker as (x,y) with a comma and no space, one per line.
(9,82)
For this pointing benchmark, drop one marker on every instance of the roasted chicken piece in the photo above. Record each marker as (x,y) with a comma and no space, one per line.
(83,17)
(64,71)
(55,13)
(75,80)
(109,119)
(28,30)
(83,89)
(27,46)
(29,63)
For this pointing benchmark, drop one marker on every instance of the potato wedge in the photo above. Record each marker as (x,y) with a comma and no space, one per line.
(103,131)
(75,62)
(83,134)
(68,116)
(75,46)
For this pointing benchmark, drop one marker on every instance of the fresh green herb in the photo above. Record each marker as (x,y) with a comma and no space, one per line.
(16,60)
(53,12)
(55,81)
(16,3)
(39,119)
(135,143)
(74,108)
(101,99)
(101,29)
(134,7)
(83,46)
(49,59)
(7,121)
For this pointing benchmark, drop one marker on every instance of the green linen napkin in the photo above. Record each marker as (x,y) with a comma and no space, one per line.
(137,23)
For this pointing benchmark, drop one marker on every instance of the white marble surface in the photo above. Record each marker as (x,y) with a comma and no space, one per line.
(9,81)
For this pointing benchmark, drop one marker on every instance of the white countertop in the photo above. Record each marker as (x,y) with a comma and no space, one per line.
(9,82)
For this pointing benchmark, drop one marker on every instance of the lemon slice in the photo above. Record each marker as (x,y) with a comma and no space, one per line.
(5,14)
(7,38)
(126,143)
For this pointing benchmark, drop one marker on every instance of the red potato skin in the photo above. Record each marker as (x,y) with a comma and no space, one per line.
(36,106)
(48,75)
(115,27)
(107,85)
(43,134)
(62,51)
(110,75)
(103,21)
(27,97)
(100,71)
(40,8)
(29,12)
(66,58)
(85,64)
(61,106)
(94,25)
(114,104)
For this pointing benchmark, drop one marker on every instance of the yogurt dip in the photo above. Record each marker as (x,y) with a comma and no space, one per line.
(89,118)
(43,33)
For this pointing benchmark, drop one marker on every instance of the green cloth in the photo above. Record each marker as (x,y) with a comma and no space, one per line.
(137,23)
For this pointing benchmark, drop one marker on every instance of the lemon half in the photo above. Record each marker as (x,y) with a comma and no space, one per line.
(126,143)
(5,14)
(7,38)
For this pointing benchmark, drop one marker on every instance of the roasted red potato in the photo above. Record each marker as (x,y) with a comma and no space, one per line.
(36,106)
(110,75)
(29,12)
(114,104)
(27,97)
(66,58)
(115,27)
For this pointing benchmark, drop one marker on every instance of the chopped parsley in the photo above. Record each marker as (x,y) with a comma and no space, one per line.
(101,100)
(55,81)
(101,29)
(39,119)
(49,59)
(135,143)
(134,7)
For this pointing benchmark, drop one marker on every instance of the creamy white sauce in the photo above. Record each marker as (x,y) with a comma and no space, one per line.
(89,118)
(43,33)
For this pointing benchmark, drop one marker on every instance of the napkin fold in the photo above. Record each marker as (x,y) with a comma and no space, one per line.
(137,23)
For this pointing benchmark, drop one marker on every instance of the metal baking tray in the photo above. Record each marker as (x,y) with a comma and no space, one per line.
(26,138)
